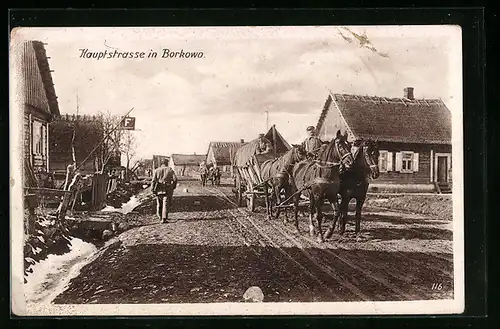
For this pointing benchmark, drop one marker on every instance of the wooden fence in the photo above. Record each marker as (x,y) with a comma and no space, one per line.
(99,190)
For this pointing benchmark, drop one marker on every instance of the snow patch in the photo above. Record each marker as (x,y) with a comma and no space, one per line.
(51,276)
(125,208)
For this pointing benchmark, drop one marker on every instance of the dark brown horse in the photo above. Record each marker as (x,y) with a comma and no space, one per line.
(277,173)
(354,182)
(214,175)
(319,180)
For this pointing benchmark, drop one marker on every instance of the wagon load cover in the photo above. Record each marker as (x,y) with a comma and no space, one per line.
(246,154)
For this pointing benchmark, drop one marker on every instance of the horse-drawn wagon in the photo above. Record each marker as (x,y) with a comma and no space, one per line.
(250,184)
(336,171)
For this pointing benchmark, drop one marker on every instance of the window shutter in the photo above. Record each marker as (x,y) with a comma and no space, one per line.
(415,162)
(380,159)
(389,161)
(43,141)
(399,161)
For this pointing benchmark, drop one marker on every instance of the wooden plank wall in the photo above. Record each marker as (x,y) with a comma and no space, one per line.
(423,174)
(99,190)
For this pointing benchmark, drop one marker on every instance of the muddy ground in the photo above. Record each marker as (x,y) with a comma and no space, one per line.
(212,251)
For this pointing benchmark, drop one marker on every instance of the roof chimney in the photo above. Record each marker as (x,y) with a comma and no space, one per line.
(242,141)
(408,93)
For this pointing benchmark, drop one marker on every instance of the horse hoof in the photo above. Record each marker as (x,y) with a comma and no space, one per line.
(328,234)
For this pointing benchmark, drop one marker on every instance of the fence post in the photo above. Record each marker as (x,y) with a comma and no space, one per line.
(31,202)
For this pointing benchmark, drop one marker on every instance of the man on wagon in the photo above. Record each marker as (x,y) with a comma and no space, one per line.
(312,143)
(203,166)
(264,145)
(163,186)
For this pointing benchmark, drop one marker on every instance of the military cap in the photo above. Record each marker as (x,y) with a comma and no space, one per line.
(310,128)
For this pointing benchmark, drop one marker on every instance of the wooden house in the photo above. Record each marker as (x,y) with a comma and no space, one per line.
(221,154)
(88,133)
(414,137)
(40,107)
(186,165)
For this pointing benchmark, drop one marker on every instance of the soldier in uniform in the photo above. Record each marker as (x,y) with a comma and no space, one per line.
(163,186)
(312,143)
(264,145)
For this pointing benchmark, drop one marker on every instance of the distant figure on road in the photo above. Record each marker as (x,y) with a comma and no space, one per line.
(203,172)
(163,186)
(311,144)
(264,145)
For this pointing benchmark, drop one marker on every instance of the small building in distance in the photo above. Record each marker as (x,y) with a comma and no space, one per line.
(414,137)
(221,154)
(186,165)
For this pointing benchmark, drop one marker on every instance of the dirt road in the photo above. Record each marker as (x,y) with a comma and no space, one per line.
(215,251)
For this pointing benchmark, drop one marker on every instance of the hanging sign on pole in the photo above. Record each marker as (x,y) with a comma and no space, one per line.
(128,123)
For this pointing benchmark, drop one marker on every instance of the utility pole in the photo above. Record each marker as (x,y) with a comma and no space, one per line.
(267,121)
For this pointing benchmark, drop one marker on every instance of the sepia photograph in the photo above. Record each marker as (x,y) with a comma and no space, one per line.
(252,170)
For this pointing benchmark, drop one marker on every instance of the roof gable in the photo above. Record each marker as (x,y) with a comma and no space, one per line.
(223,152)
(426,121)
(187,159)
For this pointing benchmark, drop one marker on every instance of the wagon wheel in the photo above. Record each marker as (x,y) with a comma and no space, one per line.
(274,209)
(251,202)
(276,202)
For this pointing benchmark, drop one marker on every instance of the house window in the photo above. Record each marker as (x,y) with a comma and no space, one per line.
(39,138)
(407,159)
(407,162)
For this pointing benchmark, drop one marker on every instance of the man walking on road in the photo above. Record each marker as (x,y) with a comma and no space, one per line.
(163,186)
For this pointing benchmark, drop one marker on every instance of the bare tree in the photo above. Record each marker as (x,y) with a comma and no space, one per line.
(128,147)
(111,145)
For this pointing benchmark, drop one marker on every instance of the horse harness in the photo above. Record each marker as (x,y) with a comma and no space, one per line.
(329,164)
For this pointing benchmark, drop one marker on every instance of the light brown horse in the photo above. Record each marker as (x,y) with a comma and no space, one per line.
(319,180)
(277,173)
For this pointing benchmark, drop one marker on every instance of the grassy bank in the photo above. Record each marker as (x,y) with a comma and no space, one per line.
(438,206)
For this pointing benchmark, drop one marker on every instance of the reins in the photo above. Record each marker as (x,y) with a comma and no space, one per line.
(330,164)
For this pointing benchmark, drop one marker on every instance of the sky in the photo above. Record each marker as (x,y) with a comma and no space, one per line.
(181,104)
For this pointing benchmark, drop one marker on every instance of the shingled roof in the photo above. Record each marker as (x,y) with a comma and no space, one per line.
(38,76)
(187,159)
(405,120)
(224,151)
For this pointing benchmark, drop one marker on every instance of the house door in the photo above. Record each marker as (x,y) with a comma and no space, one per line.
(442,169)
